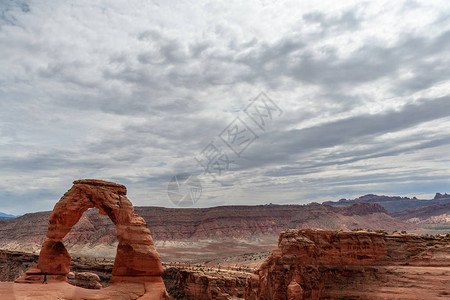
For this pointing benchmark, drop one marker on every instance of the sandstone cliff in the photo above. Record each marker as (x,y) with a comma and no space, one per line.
(313,264)
(204,284)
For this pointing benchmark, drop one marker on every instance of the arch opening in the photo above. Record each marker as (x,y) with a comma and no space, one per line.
(91,242)
(94,236)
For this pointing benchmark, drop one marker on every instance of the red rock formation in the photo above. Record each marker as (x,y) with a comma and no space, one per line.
(308,260)
(204,285)
(136,258)
(294,291)
(86,280)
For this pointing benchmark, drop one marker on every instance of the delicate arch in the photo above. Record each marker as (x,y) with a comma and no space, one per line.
(136,253)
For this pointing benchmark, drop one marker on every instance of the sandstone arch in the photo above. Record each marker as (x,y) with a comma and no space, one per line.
(136,257)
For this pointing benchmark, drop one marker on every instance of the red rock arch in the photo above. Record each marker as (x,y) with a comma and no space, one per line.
(136,260)
(136,253)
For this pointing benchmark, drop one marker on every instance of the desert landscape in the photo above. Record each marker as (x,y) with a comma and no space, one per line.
(224,150)
(244,259)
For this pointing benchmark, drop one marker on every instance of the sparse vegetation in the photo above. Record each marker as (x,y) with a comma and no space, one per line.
(357,229)
(381,231)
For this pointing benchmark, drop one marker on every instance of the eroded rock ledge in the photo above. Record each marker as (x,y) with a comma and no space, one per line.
(313,264)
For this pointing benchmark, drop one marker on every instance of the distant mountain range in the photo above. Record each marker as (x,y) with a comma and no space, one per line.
(431,214)
(4,216)
(394,203)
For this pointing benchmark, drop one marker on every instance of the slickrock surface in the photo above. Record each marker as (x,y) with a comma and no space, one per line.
(317,264)
(62,290)
(136,263)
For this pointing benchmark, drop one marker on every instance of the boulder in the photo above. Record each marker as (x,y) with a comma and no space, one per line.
(86,280)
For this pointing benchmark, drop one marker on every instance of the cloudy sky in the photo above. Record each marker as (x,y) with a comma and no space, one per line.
(135,91)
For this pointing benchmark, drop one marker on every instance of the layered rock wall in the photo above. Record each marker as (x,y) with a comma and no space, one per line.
(199,285)
(307,260)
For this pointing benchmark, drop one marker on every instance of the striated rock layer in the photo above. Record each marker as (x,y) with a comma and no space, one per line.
(204,284)
(313,264)
(228,227)
(136,258)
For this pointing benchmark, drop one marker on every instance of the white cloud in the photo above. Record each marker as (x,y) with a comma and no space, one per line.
(132,91)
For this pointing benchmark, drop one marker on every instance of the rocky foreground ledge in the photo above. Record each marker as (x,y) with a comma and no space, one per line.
(308,264)
(318,264)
